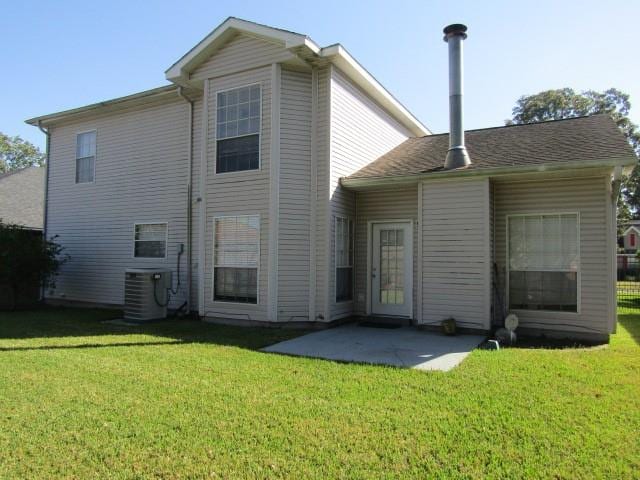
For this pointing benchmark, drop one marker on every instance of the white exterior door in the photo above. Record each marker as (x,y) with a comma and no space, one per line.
(391,269)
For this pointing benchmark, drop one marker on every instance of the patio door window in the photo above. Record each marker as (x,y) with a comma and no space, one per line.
(391,269)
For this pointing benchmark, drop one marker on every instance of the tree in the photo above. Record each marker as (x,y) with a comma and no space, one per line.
(566,103)
(27,261)
(16,153)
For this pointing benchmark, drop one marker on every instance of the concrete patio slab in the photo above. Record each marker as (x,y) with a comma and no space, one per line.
(403,347)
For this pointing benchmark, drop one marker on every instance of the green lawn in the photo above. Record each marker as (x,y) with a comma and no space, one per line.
(80,399)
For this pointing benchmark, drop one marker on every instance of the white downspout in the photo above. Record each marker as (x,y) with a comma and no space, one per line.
(189,190)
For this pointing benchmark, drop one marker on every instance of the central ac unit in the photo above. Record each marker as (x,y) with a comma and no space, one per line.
(146,293)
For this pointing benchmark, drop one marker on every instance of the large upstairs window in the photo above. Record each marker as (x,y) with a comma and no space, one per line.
(238,129)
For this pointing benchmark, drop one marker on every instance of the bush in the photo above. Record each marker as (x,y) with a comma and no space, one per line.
(26,262)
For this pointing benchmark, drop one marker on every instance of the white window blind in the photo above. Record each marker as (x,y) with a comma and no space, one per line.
(150,240)
(85,157)
(236,258)
(543,262)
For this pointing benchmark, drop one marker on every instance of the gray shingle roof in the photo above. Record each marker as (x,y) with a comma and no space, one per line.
(22,197)
(583,139)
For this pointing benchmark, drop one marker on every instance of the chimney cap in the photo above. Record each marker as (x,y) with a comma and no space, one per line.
(455,29)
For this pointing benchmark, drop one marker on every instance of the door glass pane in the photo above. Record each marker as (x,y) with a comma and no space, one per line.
(392,267)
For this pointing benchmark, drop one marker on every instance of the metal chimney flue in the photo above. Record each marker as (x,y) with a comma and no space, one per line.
(457,155)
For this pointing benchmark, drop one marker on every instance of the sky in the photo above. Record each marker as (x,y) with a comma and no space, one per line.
(65,54)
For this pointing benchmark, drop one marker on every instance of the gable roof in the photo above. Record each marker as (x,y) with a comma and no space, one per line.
(225,31)
(577,142)
(22,194)
(302,46)
(628,230)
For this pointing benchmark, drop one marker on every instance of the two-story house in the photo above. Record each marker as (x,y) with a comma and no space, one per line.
(301,191)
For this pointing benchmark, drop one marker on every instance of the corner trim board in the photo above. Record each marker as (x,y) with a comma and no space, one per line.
(329,203)
(202,199)
(274,194)
(487,252)
(313,194)
(419,234)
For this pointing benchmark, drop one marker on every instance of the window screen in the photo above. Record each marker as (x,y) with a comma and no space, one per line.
(543,262)
(237,130)
(344,259)
(85,157)
(236,258)
(150,240)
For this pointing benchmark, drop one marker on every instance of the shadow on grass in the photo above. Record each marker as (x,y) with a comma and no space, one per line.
(631,303)
(549,343)
(92,345)
(631,322)
(59,322)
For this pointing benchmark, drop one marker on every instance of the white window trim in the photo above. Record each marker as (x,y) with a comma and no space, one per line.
(213,262)
(75,162)
(335,259)
(215,126)
(166,242)
(578,271)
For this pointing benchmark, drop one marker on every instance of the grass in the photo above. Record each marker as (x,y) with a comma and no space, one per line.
(81,399)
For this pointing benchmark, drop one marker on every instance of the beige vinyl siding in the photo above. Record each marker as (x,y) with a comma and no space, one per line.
(496,310)
(587,197)
(241,53)
(322,195)
(140,177)
(195,195)
(295,173)
(238,193)
(361,131)
(456,252)
(394,204)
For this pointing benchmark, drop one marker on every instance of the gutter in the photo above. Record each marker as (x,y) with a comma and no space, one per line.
(126,101)
(365,182)
(46,190)
(189,189)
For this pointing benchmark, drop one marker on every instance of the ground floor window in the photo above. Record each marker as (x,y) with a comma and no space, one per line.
(236,258)
(344,259)
(150,240)
(544,262)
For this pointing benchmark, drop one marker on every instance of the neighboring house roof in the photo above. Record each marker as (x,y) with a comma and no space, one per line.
(577,142)
(22,197)
(300,46)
